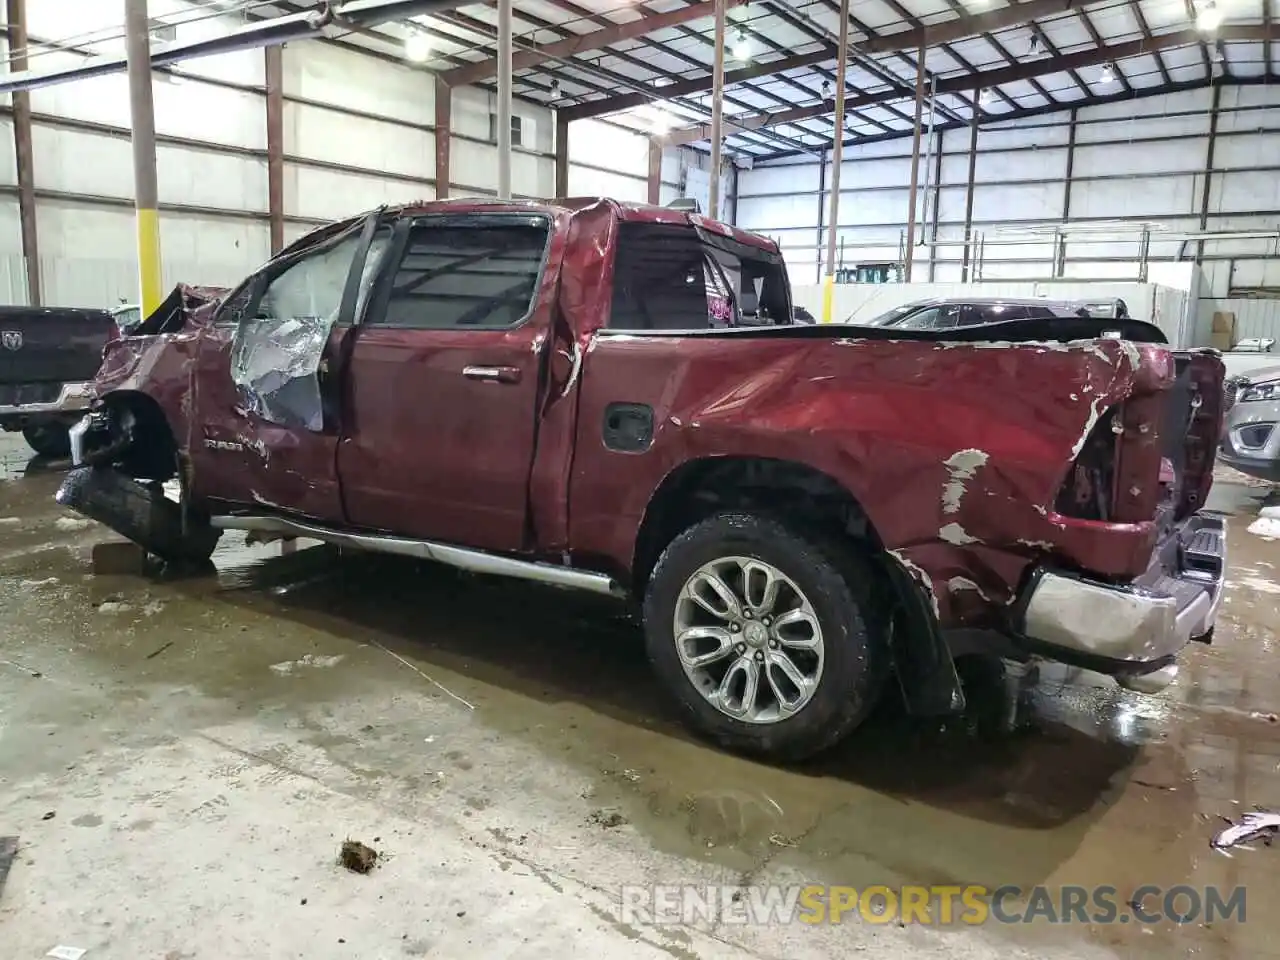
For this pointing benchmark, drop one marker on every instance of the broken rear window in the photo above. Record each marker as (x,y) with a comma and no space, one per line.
(671,277)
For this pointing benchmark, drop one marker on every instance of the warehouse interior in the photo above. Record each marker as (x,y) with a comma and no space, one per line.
(187,761)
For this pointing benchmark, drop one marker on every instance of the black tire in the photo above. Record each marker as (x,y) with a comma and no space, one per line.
(140,513)
(838,583)
(51,440)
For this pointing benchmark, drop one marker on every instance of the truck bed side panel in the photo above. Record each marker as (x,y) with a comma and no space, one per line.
(955,451)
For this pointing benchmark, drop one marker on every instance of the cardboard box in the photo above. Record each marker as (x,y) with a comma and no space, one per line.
(1222,336)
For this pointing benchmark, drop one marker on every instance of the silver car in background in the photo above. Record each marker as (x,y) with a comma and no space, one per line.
(1251,432)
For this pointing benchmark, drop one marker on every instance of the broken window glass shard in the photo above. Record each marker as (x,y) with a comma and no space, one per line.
(279,348)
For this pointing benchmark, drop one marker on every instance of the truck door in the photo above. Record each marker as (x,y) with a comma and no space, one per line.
(443,382)
(267,375)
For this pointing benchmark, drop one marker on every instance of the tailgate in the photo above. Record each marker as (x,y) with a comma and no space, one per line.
(52,345)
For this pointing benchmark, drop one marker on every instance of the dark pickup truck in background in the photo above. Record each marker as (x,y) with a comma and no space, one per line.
(613,397)
(48,359)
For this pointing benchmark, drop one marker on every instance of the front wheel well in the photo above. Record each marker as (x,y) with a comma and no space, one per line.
(152,450)
(793,492)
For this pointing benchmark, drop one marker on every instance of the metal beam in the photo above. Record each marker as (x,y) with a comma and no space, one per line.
(717,112)
(946,32)
(275,145)
(444,138)
(992,78)
(837,138)
(1067,179)
(937,202)
(1207,192)
(142,116)
(915,170)
(581,43)
(968,193)
(562,154)
(24,152)
(653,182)
(822,205)
(504,99)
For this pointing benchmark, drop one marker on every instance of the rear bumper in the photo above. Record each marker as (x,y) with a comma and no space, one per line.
(1138,627)
(72,398)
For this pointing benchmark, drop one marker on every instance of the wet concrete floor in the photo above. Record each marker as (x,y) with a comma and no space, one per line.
(181,759)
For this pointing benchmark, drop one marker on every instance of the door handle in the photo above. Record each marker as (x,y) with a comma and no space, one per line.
(495,374)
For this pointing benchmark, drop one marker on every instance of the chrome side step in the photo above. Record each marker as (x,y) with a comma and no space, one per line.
(473,561)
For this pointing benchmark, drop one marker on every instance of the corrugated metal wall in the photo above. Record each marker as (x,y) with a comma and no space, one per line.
(1142,160)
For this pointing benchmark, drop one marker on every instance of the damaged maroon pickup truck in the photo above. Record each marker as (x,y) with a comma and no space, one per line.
(613,397)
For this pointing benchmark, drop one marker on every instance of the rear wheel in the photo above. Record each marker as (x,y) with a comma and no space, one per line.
(769,639)
(52,440)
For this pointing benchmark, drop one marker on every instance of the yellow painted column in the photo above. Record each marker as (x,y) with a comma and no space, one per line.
(150,273)
(143,119)
(828,297)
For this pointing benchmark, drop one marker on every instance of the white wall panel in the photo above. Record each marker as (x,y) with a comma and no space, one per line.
(332,195)
(327,74)
(194,110)
(10,231)
(600,144)
(8,156)
(73,161)
(788,178)
(1136,198)
(1140,160)
(319,134)
(589,182)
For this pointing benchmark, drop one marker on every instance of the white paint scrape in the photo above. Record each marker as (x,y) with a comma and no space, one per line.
(956,534)
(917,573)
(961,466)
(957,584)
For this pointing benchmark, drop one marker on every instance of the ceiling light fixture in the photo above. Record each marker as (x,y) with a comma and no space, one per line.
(1107,76)
(1209,18)
(741,49)
(417,47)
(985,96)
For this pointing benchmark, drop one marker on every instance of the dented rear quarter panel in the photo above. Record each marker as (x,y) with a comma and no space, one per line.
(955,451)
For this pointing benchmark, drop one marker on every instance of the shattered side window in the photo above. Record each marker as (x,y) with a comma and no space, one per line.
(279,347)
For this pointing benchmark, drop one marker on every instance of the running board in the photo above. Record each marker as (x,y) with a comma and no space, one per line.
(473,561)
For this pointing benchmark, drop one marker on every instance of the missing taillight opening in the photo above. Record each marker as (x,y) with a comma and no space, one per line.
(1086,492)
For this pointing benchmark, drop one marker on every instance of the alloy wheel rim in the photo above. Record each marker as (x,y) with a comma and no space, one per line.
(749,640)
